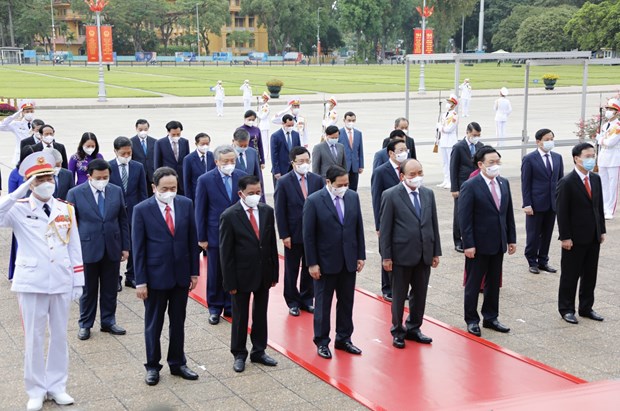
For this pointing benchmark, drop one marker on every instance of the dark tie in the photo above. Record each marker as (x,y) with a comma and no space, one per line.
(253,222)
(228,185)
(203,159)
(339,210)
(334,152)
(175,150)
(101,203)
(124,176)
(143,142)
(47,209)
(242,162)
(472,149)
(288,140)
(29,125)
(169,221)
(416,203)
(548,164)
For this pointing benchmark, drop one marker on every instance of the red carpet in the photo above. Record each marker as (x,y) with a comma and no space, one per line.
(456,371)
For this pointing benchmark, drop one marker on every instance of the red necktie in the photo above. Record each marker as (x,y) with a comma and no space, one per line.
(253,221)
(169,221)
(586,181)
(304,190)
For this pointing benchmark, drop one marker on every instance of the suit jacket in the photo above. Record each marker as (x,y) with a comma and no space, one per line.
(461,164)
(289,204)
(252,164)
(165,157)
(99,235)
(162,260)
(30,141)
(148,159)
(248,263)
(64,183)
(136,184)
(537,186)
(328,243)
(322,158)
(193,168)
(410,146)
(57,146)
(580,218)
(211,201)
(482,225)
(280,163)
(383,177)
(404,237)
(353,155)
(380,157)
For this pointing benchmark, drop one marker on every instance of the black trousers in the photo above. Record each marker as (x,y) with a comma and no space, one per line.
(302,297)
(476,268)
(218,300)
(175,300)
(343,285)
(456,230)
(402,277)
(100,280)
(129,275)
(240,319)
(580,264)
(354,178)
(539,229)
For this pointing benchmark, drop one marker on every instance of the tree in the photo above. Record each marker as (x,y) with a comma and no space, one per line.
(596,26)
(171,12)
(360,18)
(504,37)
(33,23)
(545,31)
(213,15)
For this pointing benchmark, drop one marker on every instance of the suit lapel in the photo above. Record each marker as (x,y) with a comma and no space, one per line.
(262,224)
(404,195)
(297,185)
(327,199)
(487,191)
(90,198)
(582,186)
(220,183)
(158,216)
(245,220)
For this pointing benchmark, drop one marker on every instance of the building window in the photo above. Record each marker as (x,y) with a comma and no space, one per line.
(251,21)
(252,42)
(239,20)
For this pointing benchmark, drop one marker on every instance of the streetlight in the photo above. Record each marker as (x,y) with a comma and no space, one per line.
(197,32)
(53,31)
(97,7)
(318,38)
(425,12)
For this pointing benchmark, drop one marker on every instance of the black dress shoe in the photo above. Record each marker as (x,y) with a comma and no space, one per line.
(308,308)
(398,342)
(417,336)
(474,329)
(214,319)
(324,352)
(570,318)
(119,287)
(130,283)
(152,377)
(533,269)
(239,365)
(459,249)
(593,315)
(294,311)
(114,330)
(84,334)
(265,360)
(184,372)
(227,314)
(548,268)
(495,325)
(387,297)
(348,347)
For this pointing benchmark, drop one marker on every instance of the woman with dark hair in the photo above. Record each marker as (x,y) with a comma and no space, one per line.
(87,150)
(256,140)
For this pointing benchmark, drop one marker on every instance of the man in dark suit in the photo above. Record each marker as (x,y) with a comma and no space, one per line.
(386,176)
(382,156)
(247,157)
(48,142)
(35,136)
(143,151)
(333,234)
(581,223)
(62,177)
(291,192)
(461,166)
(250,267)
(401,125)
(104,234)
(128,175)
(487,225)
(166,267)
(410,246)
(328,153)
(171,150)
(540,172)
(351,139)
(214,194)
(281,143)
(196,164)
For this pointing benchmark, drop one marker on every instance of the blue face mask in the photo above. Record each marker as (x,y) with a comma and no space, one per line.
(589,163)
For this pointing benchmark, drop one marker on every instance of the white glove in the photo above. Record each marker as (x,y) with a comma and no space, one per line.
(76,293)
(22,189)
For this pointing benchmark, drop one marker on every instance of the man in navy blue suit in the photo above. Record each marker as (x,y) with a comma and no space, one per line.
(382,156)
(104,235)
(166,266)
(291,192)
(215,192)
(540,172)
(351,139)
(143,151)
(247,157)
(196,164)
(333,234)
(487,225)
(128,175)
(171,150)
(282,141)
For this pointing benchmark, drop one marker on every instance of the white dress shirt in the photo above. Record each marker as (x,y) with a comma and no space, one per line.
(254,211)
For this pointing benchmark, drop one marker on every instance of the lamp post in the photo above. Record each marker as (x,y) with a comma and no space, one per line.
(481,27)
(97,7)
(425,12)
(53,32)
(197,32)
(318,38)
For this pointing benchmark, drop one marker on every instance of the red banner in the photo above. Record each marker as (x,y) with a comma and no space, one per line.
(107,49)
(428,41)
(92,46)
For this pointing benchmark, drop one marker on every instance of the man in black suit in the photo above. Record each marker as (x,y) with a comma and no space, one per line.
(48,142)
(402,124)
(410,246)
(171,150)
(487,225)
(461,166)
(63,178)
(581,223)
(250,267)
(291,192)
(35,136)
(281,144)
(333,234)
(540,172)
(143,151)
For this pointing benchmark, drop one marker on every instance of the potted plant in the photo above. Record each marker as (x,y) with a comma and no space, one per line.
(6,110)
(550,79)
(274,86)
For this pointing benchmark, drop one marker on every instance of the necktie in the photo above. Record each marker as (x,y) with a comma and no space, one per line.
(253,221)
(288,140)
(494,194)
(29,125)
(548,164)
(397,172)
(169,221)
(472,149)
(586,181)
(351,138)
(203,160)
(334,152)
(124,176)
(339,210)
(175,150)
(101,203)
(47,209)
(242,162)
(416,204)
(143,142)
(228,185)
(304,190)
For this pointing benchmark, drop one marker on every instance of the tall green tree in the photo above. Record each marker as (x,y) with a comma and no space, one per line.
(213,15)
(596,26)
(505,36)
(545,31)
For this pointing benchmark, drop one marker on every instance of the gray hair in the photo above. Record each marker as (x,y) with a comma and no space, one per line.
(241,134)
(57,156)
(224,149)
(398,120)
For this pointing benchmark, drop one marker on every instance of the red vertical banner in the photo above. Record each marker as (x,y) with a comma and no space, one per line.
(428,41)
(92,46)
(107,49)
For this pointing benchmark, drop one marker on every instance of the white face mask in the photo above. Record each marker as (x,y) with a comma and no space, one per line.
(332,141)
(123,160)
(88,150)
(349,124)
(338,191)
(414,183)
(227,169)
(36,136)
(56,171)
(45,190)
(241,150)
(474,140)
(249,123)
(29,116)
(548,145)
(99,185)
(295,111)
(143,134)
(288,129)
(400,157)
(203,149)
(251,200)
(406,131)
(302,168)
(609,114)
(493,171)
(166,197)
(175,139)
(48,139)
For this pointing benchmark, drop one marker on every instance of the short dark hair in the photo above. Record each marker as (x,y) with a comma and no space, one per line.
(331,130)
(142,121)
(249,113)
(392,144)
(46,126)
(473,126)
(247,180)
(333,172)
(201,135)
(482,152)
(98,164)
(162,172)
(37,123)
(578,149)
(543,132)
(87,136)
(349,114)
(172,125)
(398,133)
(297,151)
(287,117)
(26,151)
(241,134)
(120,142)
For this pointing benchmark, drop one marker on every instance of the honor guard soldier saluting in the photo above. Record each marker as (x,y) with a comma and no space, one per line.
(609,157)
(48,275)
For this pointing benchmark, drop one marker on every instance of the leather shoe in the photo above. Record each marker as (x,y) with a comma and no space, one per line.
(184,372)
(239,365)
(534,270)
(548,268)
(570,318)
(348,347)
(324,352)
(119,287)
(593,315)
(398,342)
(61,398)
(227,314)
(152,377)
(474,329)
(265,360)
(214,319)
(308,308)
(84,334)
(387,297)
(35,404)
(130,283)
(294,311)
(459,249)
(114,330)
(417,336)
(495,325)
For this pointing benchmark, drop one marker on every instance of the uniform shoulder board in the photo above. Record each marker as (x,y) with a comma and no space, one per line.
(64,201)
(23,200)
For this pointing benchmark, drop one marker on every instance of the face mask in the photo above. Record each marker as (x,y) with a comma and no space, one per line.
(227,169)
(48,139)
(415,182)
(400,157)
(240,150)
(123,160)
(288,129)
(143,134)
(175,139)
(349,125)
(406,131)
(609,114)
(493,171)
(29,116)
(56,171)
(251,200)
(295,111)
(203,149)
(166,197)
(88,150)
(302,168)
(589,163)
(37,136)
(474,140)
(548,145)
(338,191)
(45,190)
(249,123)
(332,141)
(99,185)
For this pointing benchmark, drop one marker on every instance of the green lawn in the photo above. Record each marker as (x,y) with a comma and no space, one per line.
(125,81)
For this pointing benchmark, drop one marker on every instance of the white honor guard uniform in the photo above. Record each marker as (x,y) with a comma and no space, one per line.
(20,124)
(331,116)
(48,275)
(247,95)
(502,108)
(264,124)
(294,110)
(465,89)
(449,136)
(609,157)
(219,98)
